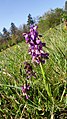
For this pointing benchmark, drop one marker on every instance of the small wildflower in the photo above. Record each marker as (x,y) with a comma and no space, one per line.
(25,89)
(65,28)
(29,70)
(50,29)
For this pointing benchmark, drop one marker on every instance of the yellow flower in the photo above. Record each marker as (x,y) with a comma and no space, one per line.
(65,28)
(50,28)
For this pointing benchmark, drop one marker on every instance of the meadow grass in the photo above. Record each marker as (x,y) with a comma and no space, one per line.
(12,77)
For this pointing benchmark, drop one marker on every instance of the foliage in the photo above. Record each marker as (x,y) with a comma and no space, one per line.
(50,19)
(11,38)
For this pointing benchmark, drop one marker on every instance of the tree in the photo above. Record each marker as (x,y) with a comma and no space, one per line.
(30,20)
(13,28)
(25,28)
(65,15)
(5,33)
(66,6)
(1,34)
(50,19)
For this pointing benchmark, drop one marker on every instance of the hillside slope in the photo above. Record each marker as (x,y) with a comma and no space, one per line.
(12,76)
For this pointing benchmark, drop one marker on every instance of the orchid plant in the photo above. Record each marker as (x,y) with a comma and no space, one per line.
(39,56)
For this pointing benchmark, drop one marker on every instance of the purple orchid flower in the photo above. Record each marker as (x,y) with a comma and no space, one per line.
(25,88)
(35,45)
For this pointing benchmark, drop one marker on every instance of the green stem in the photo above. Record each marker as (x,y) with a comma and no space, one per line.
(63,93)
(52,111)
(48,89)
(52,116)
(46,84)
(10,86)
(64,84)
